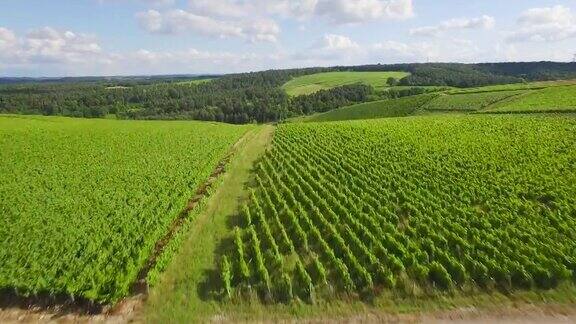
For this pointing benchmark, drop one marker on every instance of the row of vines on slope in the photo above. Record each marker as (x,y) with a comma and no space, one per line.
(417,205)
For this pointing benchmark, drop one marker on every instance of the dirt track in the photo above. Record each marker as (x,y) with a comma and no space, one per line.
(526,314)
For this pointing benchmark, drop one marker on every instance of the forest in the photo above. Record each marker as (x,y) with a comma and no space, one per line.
(249,97)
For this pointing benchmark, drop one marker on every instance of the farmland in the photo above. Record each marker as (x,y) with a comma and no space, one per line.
(562,98)
(485,203)
(415,198)
(468,101)
(376,109)
(534,97)
(320,81)
(83,202)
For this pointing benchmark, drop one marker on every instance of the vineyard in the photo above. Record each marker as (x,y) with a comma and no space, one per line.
(377,109)
(416,205)
(468,101)
(552,99)
(83,202)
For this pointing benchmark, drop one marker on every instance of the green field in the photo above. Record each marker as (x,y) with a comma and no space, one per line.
(320,81)
(83,202)
(468,101)
(409,207)
(558,96)
(377,109)
(516,86)
(466,200)
(561,98)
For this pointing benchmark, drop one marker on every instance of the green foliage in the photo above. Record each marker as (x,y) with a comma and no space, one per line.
(325,100)
(85,201)
(226,275)
(442,202)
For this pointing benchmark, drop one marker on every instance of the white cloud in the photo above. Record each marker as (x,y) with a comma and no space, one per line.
(450,50)
(7,37)
(330,48)
(345,11)
(221,8)
(393,51)
(194,61)
(179,21)
(63,52)
(48,45)
(336,42)
(550,24)
(336,11)
(254,19)
(483,22)
(551,15)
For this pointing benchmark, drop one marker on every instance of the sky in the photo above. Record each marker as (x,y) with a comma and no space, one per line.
(146,37)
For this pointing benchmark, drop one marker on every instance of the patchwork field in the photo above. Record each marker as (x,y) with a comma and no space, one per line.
(558,96)
(83,202)
(412,206)
(320,81)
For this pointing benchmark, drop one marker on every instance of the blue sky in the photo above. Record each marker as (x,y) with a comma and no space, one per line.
(120,37)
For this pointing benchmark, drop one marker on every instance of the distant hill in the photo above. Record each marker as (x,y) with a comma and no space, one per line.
(262,96)
(114,79)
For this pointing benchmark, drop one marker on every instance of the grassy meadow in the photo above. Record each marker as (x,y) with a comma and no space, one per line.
(320,81)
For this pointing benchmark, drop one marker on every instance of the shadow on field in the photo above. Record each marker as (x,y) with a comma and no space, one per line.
(60,304)
(211,287)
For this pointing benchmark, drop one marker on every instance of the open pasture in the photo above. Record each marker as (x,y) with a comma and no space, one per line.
(311,83)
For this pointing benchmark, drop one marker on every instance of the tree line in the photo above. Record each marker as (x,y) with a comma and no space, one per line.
(251,97)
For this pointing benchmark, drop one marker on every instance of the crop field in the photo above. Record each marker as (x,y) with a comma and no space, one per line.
(468,101)
(516,86)
(377,109)
(83,202)
(415,205)
(320,81)
(549,99)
